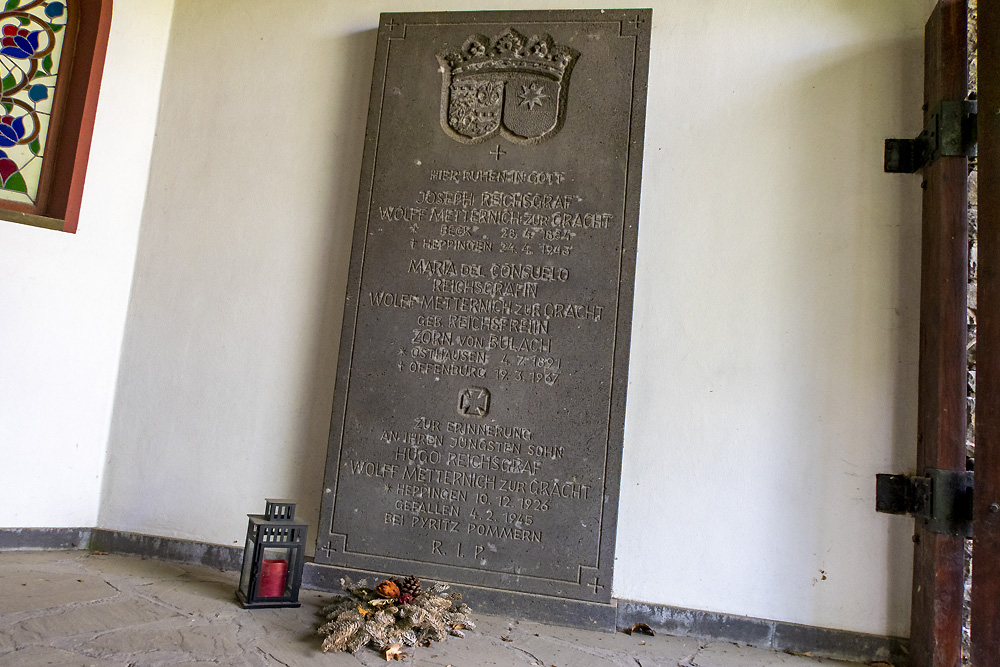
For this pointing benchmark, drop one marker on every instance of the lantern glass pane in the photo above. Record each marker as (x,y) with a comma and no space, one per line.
(248,559)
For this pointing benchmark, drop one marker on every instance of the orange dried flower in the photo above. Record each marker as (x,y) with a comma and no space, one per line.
(388,590)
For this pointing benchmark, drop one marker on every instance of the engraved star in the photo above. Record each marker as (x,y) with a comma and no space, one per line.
(532,95)
(388,488)
(413,227)
(402,352)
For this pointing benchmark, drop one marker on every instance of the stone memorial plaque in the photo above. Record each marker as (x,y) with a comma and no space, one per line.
(480,400)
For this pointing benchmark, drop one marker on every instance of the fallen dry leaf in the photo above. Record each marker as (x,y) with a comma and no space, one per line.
(807,654)
(641,628)
(395,652)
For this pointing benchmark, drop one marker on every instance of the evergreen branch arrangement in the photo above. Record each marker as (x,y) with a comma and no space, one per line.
(393,614)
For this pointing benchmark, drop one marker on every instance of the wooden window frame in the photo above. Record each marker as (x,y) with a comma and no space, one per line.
(68,146)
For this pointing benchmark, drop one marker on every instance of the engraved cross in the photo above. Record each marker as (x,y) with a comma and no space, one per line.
(636,21)
(391,25)
(328,549)
(596,583)
(497,152)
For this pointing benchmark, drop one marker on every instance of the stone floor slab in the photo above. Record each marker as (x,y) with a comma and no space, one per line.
(87,620)
(34,558)
(734,655)
(186,594)
(85,609)
(30,590)
(180,638)
(137,569)
(36,656)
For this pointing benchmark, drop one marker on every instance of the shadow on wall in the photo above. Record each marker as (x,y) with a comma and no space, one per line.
(854,262)
(909,233)
(783,329)
(347,152)
(226,379)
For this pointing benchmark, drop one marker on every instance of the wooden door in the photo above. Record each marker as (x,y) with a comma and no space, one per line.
(938,565)
(986,546)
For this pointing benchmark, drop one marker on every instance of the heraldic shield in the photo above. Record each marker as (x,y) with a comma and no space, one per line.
(513,85)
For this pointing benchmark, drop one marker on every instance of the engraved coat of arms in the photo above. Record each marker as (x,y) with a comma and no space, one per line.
(513,85)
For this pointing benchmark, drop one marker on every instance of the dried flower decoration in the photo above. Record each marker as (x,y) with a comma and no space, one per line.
(366,616)
(395,652)
(388,590)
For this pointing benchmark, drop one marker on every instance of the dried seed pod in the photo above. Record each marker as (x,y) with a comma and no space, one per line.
(388,590)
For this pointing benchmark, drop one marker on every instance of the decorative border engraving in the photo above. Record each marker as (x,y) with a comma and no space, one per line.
(513,86)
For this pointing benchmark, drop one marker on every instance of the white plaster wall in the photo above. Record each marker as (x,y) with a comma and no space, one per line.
(775,344)
(63,297)
(775,341)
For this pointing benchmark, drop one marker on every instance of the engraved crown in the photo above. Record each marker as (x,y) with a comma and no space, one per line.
(509,51)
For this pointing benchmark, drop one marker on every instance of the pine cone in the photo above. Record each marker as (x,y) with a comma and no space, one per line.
(411,585)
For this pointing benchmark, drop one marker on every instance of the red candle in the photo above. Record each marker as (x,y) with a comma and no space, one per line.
(273,575)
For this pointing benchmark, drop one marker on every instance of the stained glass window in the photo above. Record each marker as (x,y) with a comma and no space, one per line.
(32,35)
(51,64)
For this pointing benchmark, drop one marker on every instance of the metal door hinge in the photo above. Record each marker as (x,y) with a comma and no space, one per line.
(951,130)
(942,499)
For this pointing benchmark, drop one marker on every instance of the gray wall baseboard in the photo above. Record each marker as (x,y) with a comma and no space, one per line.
(35,539)
(777,635)
(218,556)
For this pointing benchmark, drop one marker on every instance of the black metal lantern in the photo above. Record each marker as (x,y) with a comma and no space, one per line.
(273,558)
